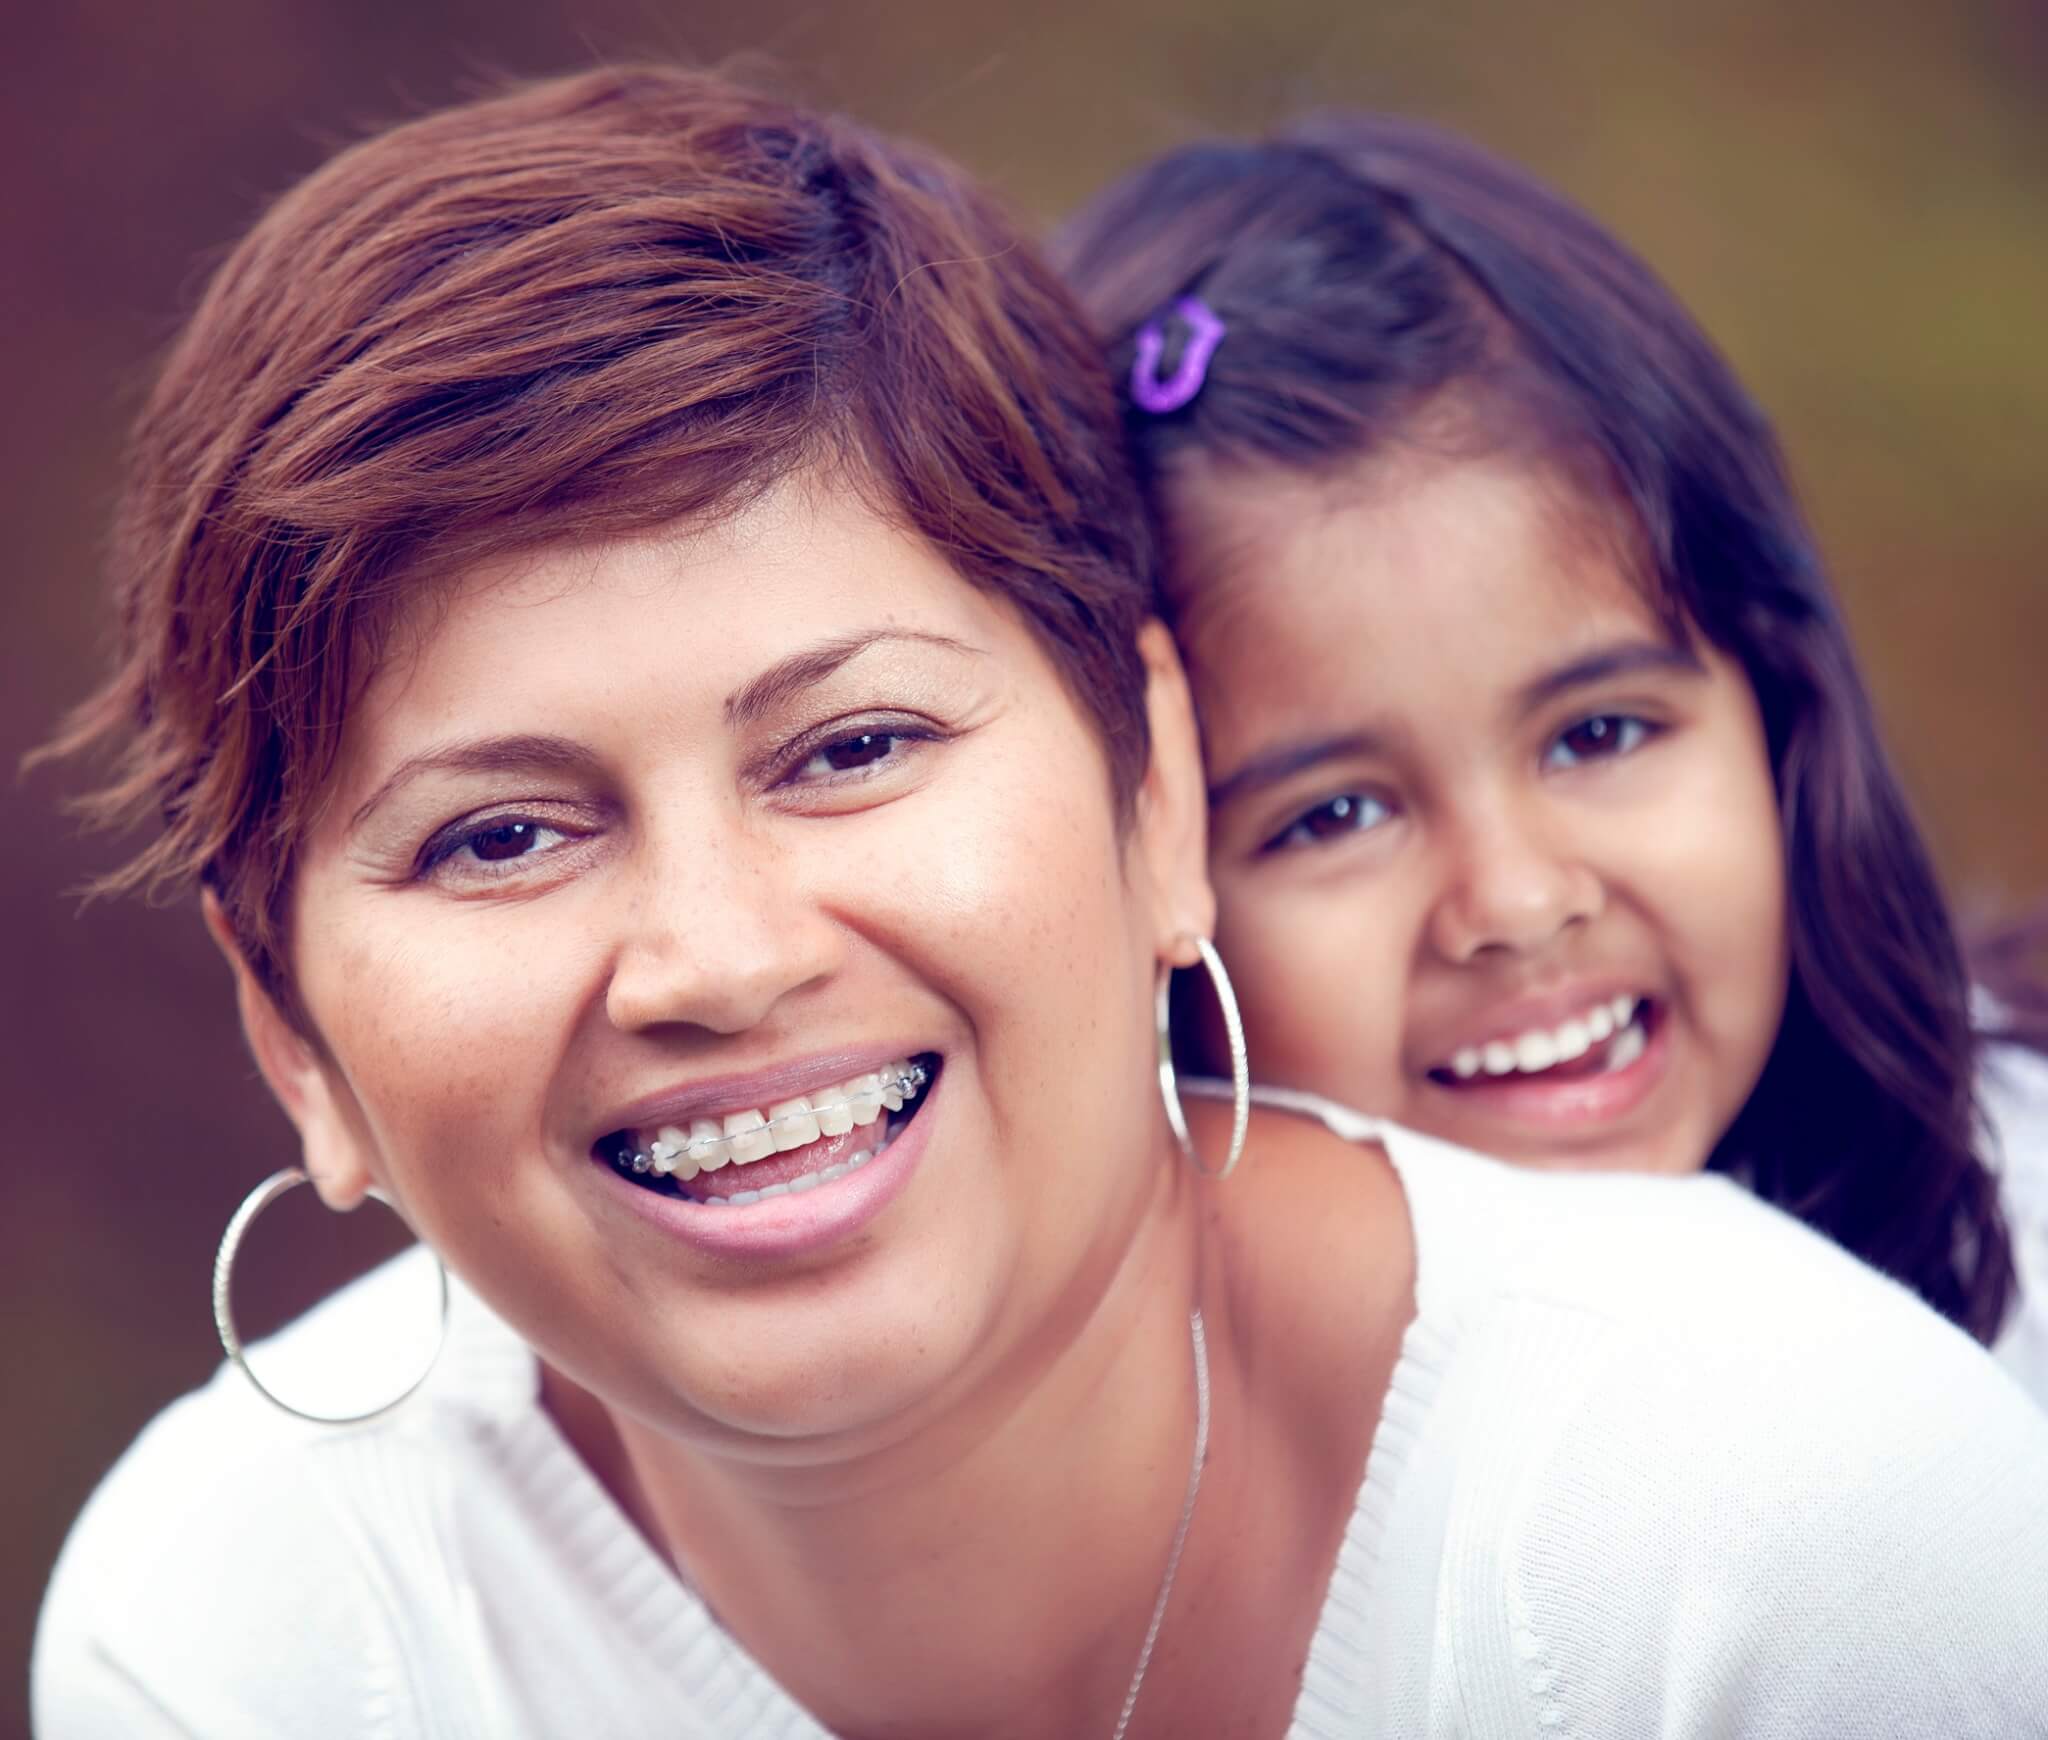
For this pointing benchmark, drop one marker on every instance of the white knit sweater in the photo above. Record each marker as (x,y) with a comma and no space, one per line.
(1656,1461)
(2012,1089)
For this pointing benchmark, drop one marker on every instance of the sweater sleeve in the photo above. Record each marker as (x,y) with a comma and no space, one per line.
(186,1596)
(80,1692)
(1850,1540)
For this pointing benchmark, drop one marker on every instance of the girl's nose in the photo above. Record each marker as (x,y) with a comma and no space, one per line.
(1510,886)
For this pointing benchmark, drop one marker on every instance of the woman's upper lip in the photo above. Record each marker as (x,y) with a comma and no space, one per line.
(1508,1020)
(720,1095)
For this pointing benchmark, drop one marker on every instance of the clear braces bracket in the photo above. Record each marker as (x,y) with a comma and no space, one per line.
(897,1088)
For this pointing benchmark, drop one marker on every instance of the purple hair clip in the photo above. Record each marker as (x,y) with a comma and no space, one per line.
(1205,333)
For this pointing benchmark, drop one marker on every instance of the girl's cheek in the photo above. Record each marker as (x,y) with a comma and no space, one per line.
(1320,986)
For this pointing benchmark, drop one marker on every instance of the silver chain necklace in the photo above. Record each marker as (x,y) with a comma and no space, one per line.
(1180,1533)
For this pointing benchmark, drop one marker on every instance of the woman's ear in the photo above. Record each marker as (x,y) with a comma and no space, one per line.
(1172,824)
(303,1082)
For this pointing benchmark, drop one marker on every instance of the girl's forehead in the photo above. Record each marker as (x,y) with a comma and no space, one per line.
(1468,555)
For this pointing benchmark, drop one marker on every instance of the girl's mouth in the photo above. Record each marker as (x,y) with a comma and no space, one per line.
(788,1148)
(1603,1040)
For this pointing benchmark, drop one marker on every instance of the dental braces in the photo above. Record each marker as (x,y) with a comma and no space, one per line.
(903,1085)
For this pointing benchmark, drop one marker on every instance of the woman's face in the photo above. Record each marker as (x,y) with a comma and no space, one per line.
(670,833)
(1495,858)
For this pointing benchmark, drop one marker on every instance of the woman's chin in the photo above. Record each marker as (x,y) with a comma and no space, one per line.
(847,1362)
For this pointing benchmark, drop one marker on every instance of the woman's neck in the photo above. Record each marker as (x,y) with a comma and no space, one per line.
(994,1572)
(928,1585)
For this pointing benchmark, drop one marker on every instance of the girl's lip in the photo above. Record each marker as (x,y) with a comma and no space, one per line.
(790,1226)
(1568,1101)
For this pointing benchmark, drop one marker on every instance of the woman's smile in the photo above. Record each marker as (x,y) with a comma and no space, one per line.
(807,1197)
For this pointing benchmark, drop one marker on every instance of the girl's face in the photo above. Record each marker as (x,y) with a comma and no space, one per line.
(1495,858)
(701,831)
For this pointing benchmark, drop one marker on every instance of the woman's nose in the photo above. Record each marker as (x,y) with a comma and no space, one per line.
(717,936)
(1512,885)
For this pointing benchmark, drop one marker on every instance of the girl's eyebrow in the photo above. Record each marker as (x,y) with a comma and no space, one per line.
(1285,760)
(1618,659)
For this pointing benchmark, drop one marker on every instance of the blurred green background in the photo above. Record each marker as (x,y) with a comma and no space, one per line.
(1853,197)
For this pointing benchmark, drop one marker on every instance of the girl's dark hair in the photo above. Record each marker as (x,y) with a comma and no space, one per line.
(1366,268)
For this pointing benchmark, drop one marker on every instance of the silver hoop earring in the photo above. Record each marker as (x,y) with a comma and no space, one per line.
(1240,1062)
(224,1312)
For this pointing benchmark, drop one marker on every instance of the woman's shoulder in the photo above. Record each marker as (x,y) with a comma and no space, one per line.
(230,1528)
(1660,1421)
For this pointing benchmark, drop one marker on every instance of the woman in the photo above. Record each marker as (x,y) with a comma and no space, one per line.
(635,614)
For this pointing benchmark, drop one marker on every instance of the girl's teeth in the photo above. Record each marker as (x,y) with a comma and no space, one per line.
(1541,1049)
(1628,1047)
(835,1119)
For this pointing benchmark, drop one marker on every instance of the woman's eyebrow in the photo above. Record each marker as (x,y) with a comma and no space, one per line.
(520,753)
(791,676)
(1618,659)
(1285,760)
(526,752)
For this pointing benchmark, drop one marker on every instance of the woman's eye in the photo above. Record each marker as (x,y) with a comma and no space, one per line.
(1605,735)
(491,848)
(1352,813)
(856,752)
(507,840)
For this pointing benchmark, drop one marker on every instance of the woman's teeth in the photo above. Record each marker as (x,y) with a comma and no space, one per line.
(1543,1048)
(741,1138)
(797,1186)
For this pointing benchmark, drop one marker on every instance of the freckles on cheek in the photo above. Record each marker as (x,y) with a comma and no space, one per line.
(421,1030)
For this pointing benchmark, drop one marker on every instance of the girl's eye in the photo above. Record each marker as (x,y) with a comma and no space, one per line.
(1603,736)
(1352,813)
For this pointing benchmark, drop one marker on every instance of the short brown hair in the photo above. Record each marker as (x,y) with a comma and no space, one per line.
(575,310)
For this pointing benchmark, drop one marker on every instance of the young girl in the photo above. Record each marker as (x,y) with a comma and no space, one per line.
(1549,812)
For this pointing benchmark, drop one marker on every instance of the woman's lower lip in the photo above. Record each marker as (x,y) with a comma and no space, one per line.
(795,1225)
(1568,1101)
